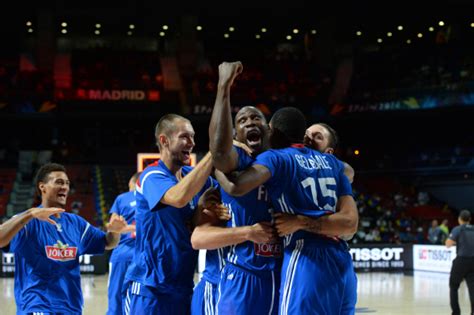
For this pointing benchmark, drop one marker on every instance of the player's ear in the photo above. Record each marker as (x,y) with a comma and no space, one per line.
(41,187)
(163,140)
(329,150)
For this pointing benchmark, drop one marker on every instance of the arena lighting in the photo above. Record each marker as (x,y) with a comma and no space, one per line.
(408,41)
(97,32)
(98,25)
(431,28)
(389,34)
(356,152)
(145,159)
(30,30)
(419,35)
(226,35)
(441,23)
(162,34)
(64,24)
(400,28)
(231,29)
(359,33)
(129,33)
(264,30)
(295,31)
(64,31)
(288,37)
(472,24)
(131,26)
(313,32)
(28,23)
(379,40)
(165,27)
(199,28)
(257,36)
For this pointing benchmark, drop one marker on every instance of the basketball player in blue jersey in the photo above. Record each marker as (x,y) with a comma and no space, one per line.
(124,205)
(250,278)
(317,273)
(161,277)
(47,243)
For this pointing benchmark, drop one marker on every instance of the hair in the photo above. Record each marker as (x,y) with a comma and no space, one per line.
(288,126)
(333,136)
(465,215)
(165,126)
(44,171)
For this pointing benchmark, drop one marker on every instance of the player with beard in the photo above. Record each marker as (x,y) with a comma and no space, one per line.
(250,278)
(324,138)
(47,243)
(161,277)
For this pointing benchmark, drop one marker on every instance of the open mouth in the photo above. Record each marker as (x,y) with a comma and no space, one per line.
(186,154)
(254,138)
(62,195)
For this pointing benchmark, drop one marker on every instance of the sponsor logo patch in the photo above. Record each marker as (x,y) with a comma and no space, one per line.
(268,249)
(61,252)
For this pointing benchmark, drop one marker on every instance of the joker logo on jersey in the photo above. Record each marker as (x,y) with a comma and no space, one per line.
(61,252)
(268,249)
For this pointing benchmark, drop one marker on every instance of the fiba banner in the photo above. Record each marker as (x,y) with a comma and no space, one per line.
(96,264)
(433,257)
(381,257)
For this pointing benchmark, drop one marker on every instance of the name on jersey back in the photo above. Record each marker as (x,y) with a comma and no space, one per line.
(312,163)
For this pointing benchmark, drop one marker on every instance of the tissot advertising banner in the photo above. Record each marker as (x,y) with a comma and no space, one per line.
(382,257)
(437,258)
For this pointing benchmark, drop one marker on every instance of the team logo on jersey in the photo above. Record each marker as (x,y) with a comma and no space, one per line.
(61,252)
(268,249)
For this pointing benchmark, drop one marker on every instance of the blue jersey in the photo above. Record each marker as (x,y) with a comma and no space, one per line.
(164,258)
(304,181)
(124,205)
(47,274)
(246,210)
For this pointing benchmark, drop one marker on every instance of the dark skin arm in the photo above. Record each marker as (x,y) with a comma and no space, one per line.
(344,222)
(224,157)
(245,181)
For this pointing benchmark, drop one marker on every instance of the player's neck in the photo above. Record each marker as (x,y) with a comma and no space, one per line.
(173,167)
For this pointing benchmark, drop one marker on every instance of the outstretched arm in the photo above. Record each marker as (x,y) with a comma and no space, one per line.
(224,157)
(244,182)
(10,228)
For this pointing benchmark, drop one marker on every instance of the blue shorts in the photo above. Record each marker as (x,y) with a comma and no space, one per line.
(117,272)
(242,291)
(204,298)
(318,278)
(143,300)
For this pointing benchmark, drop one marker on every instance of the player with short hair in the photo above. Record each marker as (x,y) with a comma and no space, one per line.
(161,276)
(47,243)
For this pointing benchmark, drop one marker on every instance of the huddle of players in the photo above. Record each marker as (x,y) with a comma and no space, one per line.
(272,224)
(280,250)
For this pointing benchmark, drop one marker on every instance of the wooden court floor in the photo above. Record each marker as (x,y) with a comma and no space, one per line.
(378,293)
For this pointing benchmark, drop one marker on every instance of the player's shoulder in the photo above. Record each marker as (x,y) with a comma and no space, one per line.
(126,195)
